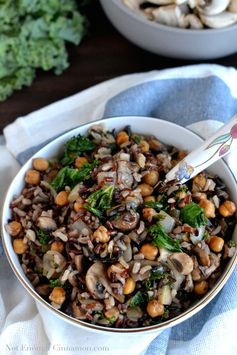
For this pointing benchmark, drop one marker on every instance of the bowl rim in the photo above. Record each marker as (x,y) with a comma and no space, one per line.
(170,29)
(196,307)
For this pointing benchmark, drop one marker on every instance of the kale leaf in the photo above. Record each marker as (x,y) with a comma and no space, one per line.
(193,215)
(43,237)
(33,35)
(138,299)
(75,147)
(70,177)
(162,239)
(100,200)
(156,205)
(55,283)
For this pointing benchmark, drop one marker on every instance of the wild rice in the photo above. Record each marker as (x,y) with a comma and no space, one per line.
(138,256)
(136,267)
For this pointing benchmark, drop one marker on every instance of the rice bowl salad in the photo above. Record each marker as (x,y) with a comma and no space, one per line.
(101,238)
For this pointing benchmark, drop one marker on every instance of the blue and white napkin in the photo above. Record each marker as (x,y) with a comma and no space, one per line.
(200,97)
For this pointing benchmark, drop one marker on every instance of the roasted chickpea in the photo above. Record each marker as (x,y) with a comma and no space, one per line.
(58,295)
(155,308)
(101,234)
(146,190)
(227,209)
(57,246)
(40,164)
(122,138)
(148,213)
(19,247)
(216,244)
(112,313)
(80,161)
(144,146)
(129,286)
(209,208)
(14,228)
(61,198)
(150,199)
(77,206)
(151,178)
(110,271)
(32,177)
(200,288)
(199,183)
(149,251)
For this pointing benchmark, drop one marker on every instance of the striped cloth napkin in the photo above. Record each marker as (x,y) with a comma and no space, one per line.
(200,97)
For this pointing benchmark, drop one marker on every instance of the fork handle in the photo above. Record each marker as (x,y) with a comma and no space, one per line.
(214,148)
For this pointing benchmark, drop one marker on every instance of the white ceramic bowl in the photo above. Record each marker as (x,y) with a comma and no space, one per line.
(170,41)
(167,132)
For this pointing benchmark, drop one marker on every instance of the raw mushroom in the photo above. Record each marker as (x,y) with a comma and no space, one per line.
(193,22)
(182,262)
(193,14)
(202,255)
(194,3)
(224,19)
(170,15)
(46,223)
(97,282)
(126,221)
(233,6)
(213,7)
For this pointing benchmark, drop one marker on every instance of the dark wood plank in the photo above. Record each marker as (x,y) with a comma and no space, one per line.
(102,55)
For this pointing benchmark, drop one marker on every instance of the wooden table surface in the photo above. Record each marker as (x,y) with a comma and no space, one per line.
(103,54)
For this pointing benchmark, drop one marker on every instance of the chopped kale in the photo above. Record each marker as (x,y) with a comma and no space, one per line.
(43,237)
(193,215)
(162,239)
(75,147)
(100,200)
(70,177)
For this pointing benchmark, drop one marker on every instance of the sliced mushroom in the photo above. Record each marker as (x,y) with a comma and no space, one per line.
(97,282)
(127,255)
(233,6)
(182,262)
(188,283)
(224,19)
(126,221)
(213,7)
(194,3)
(193,21)
(202,255)
(179,278)
(46,223)
(214,264)
(170,15)
(78,260)
(124,174)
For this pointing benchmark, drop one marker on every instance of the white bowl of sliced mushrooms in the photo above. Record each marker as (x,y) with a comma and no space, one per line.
(97,239)
(189,29)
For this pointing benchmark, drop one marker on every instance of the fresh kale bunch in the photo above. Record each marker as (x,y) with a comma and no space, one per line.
(33,34)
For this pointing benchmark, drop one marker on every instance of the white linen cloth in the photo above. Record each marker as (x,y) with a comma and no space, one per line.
(201,97)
